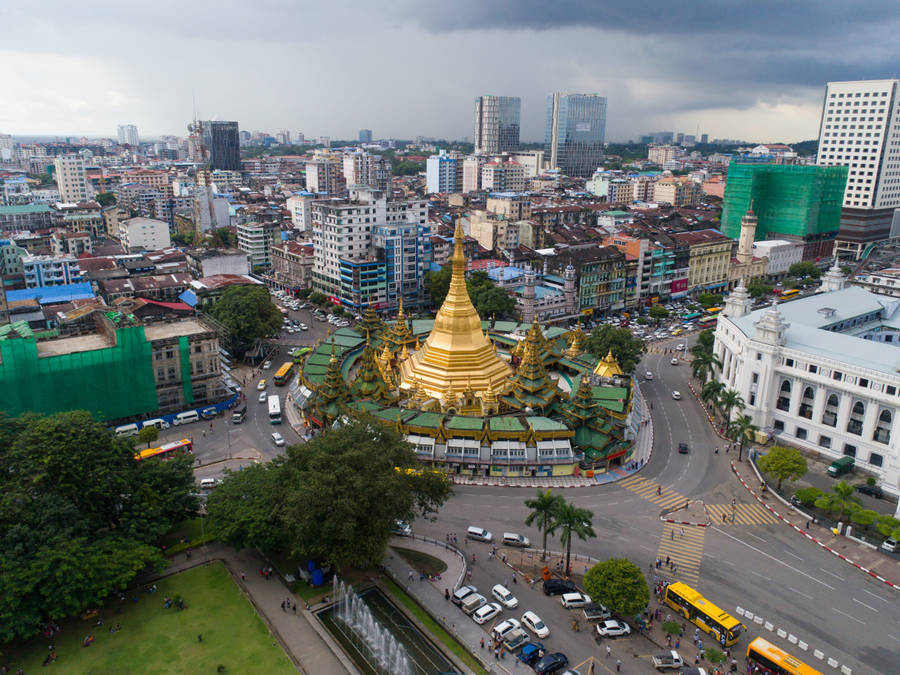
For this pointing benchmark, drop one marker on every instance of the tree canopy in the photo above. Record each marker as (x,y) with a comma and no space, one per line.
(618,584)
(626,348)
(708,300)
(804,268)
(783,463)
(658,312)
(105,198)
(249,314)
(335,498)
(757,289)
(488,298)
(78,516)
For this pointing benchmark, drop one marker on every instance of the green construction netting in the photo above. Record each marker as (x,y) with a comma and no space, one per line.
(184,350)
(788,199)
(111,383)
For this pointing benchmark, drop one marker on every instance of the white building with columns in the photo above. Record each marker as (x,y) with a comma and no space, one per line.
(822,373)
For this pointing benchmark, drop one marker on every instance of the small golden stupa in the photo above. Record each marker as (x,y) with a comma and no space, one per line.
(457,357)
(608,366)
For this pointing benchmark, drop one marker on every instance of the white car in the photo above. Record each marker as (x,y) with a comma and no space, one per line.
(486,613)
(533,622)
(613,628)
(673,361)
(648,375)
(277,439)
(676,395)
(267,365)
(503,628)
(502,594)
(263,397)
(303,326)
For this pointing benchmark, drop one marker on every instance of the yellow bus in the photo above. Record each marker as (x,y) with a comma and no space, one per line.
(790,293)
(697,609)
(771,659)
(714,310)
(284,373)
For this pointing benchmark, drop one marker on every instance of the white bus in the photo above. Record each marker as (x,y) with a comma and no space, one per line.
(274,409)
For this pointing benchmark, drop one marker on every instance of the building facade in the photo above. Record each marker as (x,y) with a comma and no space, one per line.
(443,174)
(144,234)
(292,264)
(502,176)
(222,141)
(710,256)
(780,254)
(677,191)
(45,270)
(497,124)
(574,133)
(128,135)
(373,171)
(71,179)
(206,262)
(256,240)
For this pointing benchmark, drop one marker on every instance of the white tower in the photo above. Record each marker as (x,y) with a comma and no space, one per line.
(833,280)
(748,234)
(569,290)
(528,296)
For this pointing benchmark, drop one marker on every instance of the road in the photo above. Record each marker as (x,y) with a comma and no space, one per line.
(756,563)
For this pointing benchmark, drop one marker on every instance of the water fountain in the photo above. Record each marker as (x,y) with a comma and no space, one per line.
(385,649)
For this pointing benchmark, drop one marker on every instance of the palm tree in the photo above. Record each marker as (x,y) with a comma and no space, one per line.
(543,513)
(704,364)
(738,429)
(728,400)
(711,392)
(842,500)
(572,521)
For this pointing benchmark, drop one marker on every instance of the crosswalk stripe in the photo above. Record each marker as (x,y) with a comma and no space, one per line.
(685,550)
(744,514)
(653,492)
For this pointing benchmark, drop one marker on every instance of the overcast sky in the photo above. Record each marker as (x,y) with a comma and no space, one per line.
(734,68)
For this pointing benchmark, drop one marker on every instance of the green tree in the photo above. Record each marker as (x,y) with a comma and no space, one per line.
(249,314)
(184,239)
(887,524)
(808,495)
(728,401)
(708,300)
(317,298)
(338,311)
(711,392)
(342,494)
(304,292)
(543,512)
(864,517)
(492,301)
(704,364)
(222,237)
(804,268)
(437,284)
(846,270)
(658,313)
(148,434)
(572,521)
(642,321)
(619,585)
(789,282)
(626,348)
(841,499)
(706,339)
(739,430)
(757,289)
(105,198)
(783,463)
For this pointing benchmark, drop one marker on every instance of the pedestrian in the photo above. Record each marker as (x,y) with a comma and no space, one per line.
(446,594)
(410,575)
(608,651)
(672,532)
(807,524)
(682,531)
(668,560)
(700,645)
(677,642)
(294,608)
(243,576)
(282,605)
(618,664)
(724,518)
(496,653)
(482,643)
(199,637)
(696,635)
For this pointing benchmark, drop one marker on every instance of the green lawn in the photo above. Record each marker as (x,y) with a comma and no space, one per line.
(421,561)
(158,640)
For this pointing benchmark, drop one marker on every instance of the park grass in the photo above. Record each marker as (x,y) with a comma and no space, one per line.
(185,535)
(158,640)
(421,561)
(434,627)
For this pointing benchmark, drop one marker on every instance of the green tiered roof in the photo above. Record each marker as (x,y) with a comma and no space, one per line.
(371,323)
(532,387)
(369,383)
(332,394)
(593,432)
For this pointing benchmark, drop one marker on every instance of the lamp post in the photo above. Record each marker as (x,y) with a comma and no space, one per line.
(228,438)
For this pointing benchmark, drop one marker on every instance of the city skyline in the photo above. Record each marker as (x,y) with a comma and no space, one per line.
(761,81)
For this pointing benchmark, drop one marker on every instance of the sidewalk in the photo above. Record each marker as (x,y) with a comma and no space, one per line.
(862,556)
(643,449)
(302,643)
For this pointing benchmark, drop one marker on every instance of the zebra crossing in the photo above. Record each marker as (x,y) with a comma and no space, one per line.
(683,546)
(653,492)
(740,514)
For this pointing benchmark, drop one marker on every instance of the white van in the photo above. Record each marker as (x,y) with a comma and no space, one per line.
(574,600)
(208,483)
(186,418)
(513,539)
(127,430)
(478,534)
(157,422)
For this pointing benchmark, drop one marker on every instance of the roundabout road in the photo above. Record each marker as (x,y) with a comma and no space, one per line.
(756,562)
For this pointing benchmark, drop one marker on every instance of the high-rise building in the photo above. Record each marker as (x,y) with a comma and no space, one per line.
(443,173)
(704,138)
(859,119)
(791,201)
(128,135)
(497,123)
(324,176)
(361,168)
(575,131)
(222,141)
(71,179)
(365,135)
(256,240)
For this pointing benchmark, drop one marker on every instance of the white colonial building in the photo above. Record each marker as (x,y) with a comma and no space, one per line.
(821,373)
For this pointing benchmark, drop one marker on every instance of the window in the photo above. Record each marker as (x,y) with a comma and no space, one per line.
(752,398)
(784,397)
(891,390)
(863,382)
(849,450)
(825,441)
(806,403)
(882,432)
(857,415)
(755,378)
(829,415)
(837,375)
(778,425)
(813,369)
(758,356)
(875,459)
(789,363)
(801,433)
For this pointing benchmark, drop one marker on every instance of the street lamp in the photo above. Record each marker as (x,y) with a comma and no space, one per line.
(228,438)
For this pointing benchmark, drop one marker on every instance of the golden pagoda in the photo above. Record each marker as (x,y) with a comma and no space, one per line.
(608,366)
(457,356)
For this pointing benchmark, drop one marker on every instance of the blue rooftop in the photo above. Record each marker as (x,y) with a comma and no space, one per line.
(189,298)
(505,273)
(49,295)
(540,292)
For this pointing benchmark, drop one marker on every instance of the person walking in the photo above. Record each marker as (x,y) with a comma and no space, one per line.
(608,651)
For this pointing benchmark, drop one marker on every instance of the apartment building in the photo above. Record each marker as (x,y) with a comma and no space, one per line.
(677,191)
(292,265)
(710,257)
(144,234)
(71,179)
(46,270)
(373,171)
(502,176)
(256,240)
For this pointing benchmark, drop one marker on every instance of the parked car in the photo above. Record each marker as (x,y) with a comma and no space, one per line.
(673,361)
(503,595)
(531,652)
(682,448)
(402,527)
(873,490)
(486,613)
(558,587)
(574,600)
(462,593)
(890,545)
(504,628)
(613,628)
(551,663)
(533,622)
(648,375)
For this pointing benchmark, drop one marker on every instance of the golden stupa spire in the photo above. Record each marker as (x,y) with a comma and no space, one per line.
(457,354)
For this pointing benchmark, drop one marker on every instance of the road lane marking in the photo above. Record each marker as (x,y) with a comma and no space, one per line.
(771,557)
(755,537)
(646,548)
(727,562)
(865,605)
(875,596)
(760,575)
(794,590)
(793,554)
(835,609)
(832,574)
(893,638)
